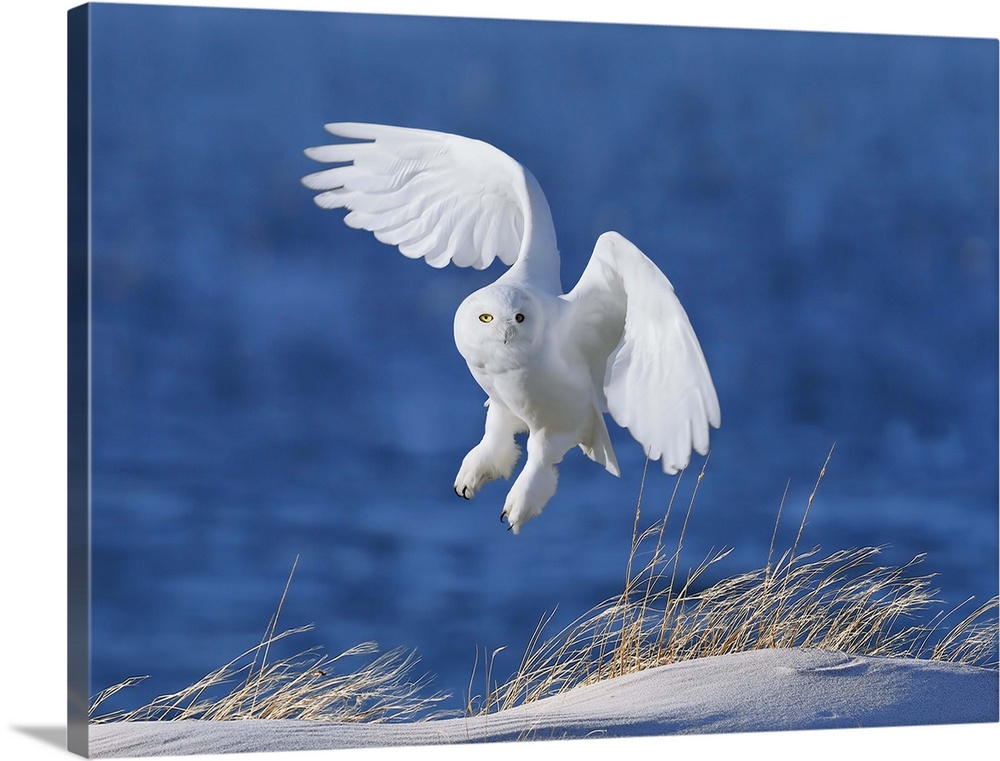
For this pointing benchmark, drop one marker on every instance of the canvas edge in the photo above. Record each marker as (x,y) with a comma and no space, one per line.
(78,379)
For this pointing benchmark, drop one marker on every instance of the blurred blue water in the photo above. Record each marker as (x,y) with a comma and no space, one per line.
(269,384)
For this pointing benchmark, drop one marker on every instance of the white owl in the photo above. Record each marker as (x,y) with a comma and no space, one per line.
(551,363)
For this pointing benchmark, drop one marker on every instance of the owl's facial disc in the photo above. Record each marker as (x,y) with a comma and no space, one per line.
(498,318)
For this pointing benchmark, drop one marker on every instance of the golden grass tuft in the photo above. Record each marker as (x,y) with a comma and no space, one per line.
(843,602)
(306,686)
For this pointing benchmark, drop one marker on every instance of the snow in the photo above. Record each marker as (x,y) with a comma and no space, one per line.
(755,691)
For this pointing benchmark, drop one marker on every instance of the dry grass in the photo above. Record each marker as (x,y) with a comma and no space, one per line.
(305,686)
(843,602)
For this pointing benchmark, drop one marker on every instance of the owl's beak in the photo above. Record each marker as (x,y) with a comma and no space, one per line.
(507,332)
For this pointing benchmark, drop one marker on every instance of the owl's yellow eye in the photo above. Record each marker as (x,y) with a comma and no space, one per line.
(486,318)
(519,317)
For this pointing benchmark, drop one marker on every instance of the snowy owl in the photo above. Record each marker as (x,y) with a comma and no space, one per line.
(551,363)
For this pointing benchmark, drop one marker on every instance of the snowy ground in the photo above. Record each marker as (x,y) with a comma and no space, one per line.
(769,690)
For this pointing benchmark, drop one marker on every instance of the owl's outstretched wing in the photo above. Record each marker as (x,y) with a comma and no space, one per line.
(442,197)
(630,325)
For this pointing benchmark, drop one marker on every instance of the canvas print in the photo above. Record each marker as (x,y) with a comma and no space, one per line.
(440,380)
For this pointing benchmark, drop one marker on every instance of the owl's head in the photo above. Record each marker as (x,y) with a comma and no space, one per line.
(497,320)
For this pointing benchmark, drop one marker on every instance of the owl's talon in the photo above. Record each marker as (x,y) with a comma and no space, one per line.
(505,518)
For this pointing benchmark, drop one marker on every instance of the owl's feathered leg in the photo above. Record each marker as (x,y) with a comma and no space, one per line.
(536,483)
(495,455)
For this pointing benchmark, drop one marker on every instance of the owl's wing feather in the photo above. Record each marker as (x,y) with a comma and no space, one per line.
(436,196)
(629,323)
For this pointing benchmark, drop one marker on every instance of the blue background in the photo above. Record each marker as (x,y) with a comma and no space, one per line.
(268,383)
